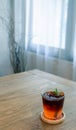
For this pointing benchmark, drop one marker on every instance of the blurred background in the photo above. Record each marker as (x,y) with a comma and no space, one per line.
(38,34)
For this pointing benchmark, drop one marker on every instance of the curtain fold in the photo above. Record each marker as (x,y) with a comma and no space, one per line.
(18,36)
(74,43)
(5,47)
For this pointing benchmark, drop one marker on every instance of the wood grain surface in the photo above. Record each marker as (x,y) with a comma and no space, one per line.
(21,102)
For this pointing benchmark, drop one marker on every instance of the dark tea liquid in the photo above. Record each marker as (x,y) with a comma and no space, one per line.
(52,105)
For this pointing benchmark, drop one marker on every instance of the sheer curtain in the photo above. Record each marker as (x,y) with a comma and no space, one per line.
(74,44)
(46,29)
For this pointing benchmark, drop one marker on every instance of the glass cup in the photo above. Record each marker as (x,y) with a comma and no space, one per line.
(53,104)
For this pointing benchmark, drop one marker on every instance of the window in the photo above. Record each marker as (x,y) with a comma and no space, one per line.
(49,22)
(46,27)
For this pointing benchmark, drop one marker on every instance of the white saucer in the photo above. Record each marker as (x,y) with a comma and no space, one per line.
(52,121)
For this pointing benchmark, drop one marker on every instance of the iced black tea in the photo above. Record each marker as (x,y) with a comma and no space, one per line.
(53,104)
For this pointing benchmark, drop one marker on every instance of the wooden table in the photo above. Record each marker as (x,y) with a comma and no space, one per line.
(21,103)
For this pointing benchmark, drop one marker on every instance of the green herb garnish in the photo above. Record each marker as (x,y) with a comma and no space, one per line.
(56,92)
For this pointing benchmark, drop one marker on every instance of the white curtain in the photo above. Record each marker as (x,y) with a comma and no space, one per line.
(47,29)
(5,12)
(74,44)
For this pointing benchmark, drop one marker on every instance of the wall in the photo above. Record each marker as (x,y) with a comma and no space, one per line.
(5,64)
